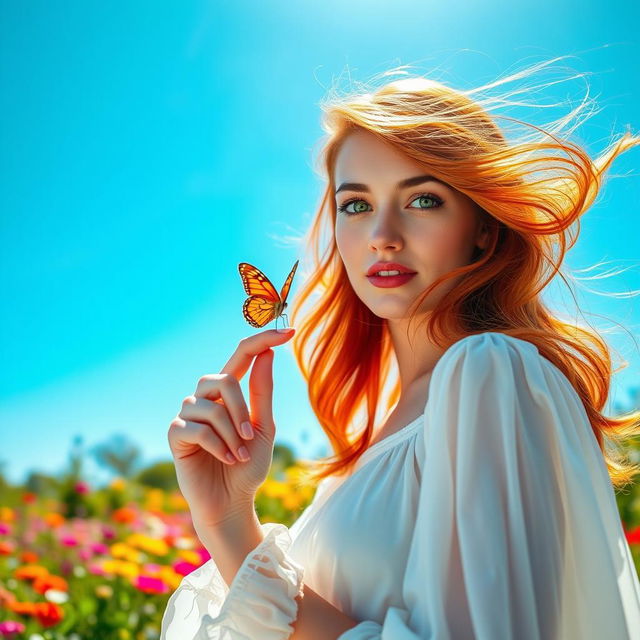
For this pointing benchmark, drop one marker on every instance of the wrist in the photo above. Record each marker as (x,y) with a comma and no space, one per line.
(230,541)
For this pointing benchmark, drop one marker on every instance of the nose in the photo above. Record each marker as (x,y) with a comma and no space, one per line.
(385,235)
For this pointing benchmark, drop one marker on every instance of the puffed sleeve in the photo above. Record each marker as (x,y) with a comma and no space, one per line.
(259,603)
(517,532)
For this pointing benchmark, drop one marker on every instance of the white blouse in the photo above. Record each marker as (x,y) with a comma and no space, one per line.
(491,516)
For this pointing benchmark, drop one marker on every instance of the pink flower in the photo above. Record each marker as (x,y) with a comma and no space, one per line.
(108,533)
(4,529)
(183,568)
(69,541)
(84,554)
(82,487)
(66,567)
(99,548)
(9,627)
(150,585)
(96,570)
(204,554)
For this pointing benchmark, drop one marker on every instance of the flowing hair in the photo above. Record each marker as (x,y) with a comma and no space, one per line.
(344,351)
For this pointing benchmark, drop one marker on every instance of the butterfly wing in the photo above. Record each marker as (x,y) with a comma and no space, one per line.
(258,311)
(284,292)
(260,307)
(256,283)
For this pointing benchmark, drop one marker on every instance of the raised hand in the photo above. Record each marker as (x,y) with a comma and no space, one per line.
(208,428)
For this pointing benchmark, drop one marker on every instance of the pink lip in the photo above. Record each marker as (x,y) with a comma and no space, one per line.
(385,282)
(387,266)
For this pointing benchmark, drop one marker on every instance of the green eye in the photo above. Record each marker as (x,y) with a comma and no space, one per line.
(423,196)
(427,196)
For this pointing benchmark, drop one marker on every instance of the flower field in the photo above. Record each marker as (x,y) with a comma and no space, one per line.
(100,564)
(85,563)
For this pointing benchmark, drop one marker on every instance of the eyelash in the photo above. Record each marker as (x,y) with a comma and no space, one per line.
(342,208)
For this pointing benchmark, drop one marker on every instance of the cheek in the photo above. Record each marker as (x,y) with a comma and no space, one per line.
(439,247)
(347,241)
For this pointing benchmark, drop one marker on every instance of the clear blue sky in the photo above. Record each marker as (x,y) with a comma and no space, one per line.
(148,148)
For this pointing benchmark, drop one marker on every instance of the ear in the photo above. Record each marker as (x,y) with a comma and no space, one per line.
(482,236)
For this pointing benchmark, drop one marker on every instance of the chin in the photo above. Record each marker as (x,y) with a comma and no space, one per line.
(390,312)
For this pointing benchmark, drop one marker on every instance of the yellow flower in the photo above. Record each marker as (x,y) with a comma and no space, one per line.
(291,501)
(190,556)
(169,576)
(104,591)
(177,502)
(118,484)
(124,551)
(273,488)
(148,544)
(121,568)
(154,500)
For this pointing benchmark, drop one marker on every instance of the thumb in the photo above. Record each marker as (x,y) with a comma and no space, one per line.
(261,392)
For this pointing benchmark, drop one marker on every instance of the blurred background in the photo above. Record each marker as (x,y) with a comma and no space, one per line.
(148,148)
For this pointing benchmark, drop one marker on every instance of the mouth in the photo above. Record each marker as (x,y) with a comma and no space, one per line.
(386,282)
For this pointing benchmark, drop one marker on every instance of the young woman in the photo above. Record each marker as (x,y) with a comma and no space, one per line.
(482,506)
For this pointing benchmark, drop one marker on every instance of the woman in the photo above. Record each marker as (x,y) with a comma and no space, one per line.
(483,506)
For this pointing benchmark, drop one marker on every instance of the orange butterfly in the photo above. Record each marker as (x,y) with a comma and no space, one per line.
(263,304)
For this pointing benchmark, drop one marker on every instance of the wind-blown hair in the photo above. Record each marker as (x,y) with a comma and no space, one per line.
(531,191)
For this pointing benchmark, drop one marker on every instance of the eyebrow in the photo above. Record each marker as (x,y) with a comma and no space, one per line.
(409,182)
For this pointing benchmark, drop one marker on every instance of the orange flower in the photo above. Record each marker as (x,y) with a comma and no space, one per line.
(42,583)
(124,515)
(31,572)
(53,519)
(6,548)
(23,608)
(48,613)
(29,498)
(7,514)
(6,596)
(29,556)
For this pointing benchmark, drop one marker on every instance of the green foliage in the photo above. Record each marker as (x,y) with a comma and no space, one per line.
(161,475)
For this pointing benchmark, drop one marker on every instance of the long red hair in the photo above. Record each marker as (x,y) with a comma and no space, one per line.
(344,351)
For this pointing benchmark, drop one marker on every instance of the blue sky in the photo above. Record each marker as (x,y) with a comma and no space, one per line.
(149,148)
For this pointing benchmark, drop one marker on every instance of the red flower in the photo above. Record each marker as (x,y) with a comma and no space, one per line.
(633,535)
(48,613)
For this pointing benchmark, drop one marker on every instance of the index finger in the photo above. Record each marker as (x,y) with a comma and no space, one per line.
(248,348)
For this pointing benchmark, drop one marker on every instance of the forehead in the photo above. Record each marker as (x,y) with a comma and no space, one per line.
(362,153)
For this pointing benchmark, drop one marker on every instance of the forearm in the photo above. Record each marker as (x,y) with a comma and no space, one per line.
(231,542)
(229,545)
(318,619)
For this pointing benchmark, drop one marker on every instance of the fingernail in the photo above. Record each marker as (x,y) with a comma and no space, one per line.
(289,330)
(230,457)
(243,453)
(246,430)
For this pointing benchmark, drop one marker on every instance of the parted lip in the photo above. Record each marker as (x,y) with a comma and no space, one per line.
(388,266)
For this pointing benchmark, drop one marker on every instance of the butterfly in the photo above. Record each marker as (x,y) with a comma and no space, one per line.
(263,304)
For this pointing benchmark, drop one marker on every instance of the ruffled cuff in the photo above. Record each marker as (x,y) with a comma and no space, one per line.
(260,602)
(366,630)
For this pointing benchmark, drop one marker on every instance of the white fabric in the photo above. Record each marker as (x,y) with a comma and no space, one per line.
(260,603)
(491,516)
